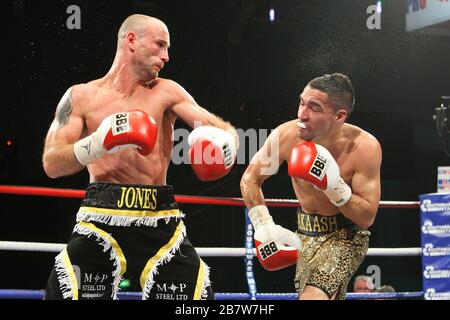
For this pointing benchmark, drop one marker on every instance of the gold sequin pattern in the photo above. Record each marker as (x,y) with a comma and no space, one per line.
(329,261)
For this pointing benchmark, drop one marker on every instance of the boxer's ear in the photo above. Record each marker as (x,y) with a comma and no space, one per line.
(342,115)
(131,38)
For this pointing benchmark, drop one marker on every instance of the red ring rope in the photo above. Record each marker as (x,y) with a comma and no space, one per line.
(72,193)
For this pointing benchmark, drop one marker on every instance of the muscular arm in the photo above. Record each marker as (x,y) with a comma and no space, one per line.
(58,157)
(366,187)
(190,112)
(264,164)
(252,181)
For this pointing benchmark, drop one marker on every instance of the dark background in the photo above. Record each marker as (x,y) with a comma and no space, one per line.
(250,71)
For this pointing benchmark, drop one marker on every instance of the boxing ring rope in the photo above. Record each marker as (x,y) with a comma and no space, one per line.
(39,295)
(73,193)
(204,252)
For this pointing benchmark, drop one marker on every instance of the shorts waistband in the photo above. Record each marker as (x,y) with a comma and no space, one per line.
(316,225)
(126,204)
(129,197)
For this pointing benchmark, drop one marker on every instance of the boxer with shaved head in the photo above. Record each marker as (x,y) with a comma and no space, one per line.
(120,128)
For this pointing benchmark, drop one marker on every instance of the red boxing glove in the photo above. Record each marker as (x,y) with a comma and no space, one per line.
(132,129)
(276,247)
(313,163)
(212,152)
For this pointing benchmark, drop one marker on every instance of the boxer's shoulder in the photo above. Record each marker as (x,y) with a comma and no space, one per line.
(290,127)
(164,84)
(174,89)
(360,138)
(289,136)
(285,130)
(284,136)
(362,145)
(84,91)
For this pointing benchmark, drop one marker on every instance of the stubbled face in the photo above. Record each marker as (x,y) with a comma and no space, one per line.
(315,115)
(152,51)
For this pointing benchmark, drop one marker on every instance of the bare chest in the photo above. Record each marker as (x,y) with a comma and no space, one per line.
(105,103)
(347,164)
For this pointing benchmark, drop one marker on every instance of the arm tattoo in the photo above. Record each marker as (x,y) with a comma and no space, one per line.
(64,109)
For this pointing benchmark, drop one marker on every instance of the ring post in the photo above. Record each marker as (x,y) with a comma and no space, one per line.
(248,259)
(435,235)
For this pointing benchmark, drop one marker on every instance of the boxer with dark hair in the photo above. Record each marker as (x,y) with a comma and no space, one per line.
(335,172)
(120,127)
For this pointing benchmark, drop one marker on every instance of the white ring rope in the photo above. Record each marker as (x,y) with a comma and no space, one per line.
(204,252)
(399,203)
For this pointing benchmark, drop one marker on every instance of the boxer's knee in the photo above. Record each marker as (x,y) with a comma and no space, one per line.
(314,293)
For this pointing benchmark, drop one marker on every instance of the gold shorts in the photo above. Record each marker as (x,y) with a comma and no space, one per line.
(332,250)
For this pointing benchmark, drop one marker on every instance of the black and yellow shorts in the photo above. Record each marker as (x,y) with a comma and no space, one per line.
(332,250)
(134,232)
